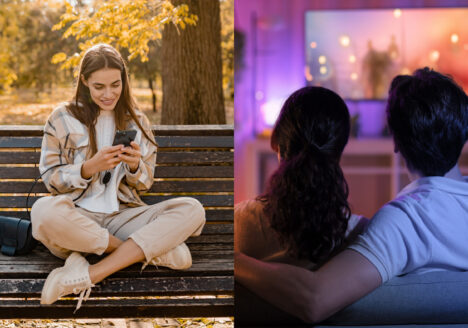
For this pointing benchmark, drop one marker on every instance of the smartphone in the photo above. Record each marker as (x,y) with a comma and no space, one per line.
(124,137)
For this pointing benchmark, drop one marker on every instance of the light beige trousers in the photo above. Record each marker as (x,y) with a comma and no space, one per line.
(156,229)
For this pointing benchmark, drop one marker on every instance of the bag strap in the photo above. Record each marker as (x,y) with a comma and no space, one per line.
(34,184)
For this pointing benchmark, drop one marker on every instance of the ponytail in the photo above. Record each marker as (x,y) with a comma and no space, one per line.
(306,203)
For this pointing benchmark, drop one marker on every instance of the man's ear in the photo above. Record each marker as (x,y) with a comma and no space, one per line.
(84,81)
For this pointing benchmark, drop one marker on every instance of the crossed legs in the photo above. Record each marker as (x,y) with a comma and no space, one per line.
(128,236)
(121,256)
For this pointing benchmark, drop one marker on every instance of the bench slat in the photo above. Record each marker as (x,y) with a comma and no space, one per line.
(157,187)
(195,157)
(42,255)
(158,130)
(159,172)
(211,239)
(172,157)
(194,172)
(218,229)
(135,286)
(131,308)
(42,261)
(19,172)
(20,142)
(17,157)
(162,141)
(206,200)
(195,141)
(211,215)
(201,267)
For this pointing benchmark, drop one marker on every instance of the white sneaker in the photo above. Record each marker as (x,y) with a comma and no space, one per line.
(178,258)
(73,277)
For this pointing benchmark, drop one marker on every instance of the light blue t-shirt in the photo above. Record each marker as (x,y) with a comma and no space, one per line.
(425,228)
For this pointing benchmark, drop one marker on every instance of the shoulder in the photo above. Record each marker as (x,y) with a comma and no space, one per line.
(142,119)
(63,123)
(250,213)
(248,208)
(356,225)
(62,112)
(59,112)
(392,213)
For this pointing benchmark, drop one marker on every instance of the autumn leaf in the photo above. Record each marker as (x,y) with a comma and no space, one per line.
(58,58)
(123,24)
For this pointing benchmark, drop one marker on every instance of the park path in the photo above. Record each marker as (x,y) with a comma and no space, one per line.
(121,323)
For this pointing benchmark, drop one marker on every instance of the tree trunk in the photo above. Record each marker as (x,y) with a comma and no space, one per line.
(153,93)
(192,70)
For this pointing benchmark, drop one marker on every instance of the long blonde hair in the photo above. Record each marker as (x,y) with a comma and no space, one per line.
(83,107)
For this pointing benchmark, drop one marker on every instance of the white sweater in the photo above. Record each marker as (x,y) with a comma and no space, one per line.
(99,197)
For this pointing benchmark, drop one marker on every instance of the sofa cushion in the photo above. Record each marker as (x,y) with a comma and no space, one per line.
(431,298)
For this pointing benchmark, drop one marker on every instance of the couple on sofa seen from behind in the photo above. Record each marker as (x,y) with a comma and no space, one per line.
(303,221)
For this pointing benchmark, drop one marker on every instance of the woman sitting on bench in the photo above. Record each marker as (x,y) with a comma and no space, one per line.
(95,206)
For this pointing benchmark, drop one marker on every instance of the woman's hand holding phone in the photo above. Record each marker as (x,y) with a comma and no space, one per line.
(105,159)
(131,156)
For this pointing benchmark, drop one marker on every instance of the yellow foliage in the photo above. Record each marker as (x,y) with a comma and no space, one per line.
(206,321)
(9,31)
(227,45)
(123,24)
(58,58)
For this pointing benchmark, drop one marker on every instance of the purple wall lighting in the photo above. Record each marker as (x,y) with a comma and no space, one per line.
(275,58)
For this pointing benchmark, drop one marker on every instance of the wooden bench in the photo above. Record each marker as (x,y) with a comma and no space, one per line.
(195,161)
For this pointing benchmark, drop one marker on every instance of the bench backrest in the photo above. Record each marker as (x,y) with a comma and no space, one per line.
(195,161)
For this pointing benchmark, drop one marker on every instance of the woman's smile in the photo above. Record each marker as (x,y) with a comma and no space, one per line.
(108,102)
(105,87)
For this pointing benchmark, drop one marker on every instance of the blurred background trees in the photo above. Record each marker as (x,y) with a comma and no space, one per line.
(42,41)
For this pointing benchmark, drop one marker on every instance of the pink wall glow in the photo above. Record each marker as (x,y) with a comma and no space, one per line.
(274,62)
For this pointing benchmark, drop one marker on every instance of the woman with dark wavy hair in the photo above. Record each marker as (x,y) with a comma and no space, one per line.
(303,218)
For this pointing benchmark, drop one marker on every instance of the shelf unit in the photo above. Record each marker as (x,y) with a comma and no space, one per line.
(375,173)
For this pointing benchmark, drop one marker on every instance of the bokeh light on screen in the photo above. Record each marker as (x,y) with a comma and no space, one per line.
(358,52)
(345,40)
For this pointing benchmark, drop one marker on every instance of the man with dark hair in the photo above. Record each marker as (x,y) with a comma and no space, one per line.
(427,115)
(423,229)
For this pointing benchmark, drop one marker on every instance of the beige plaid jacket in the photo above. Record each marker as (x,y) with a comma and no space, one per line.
(65,147)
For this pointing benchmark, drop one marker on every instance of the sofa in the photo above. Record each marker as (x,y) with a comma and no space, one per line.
(432,299)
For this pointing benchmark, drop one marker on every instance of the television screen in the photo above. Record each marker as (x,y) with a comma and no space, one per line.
(358,52)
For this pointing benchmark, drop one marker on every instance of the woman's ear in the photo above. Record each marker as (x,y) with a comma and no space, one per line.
(84,81)
(278,154)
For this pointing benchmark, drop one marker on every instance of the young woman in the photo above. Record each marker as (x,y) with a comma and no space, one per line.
(304,217)
(95,206)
